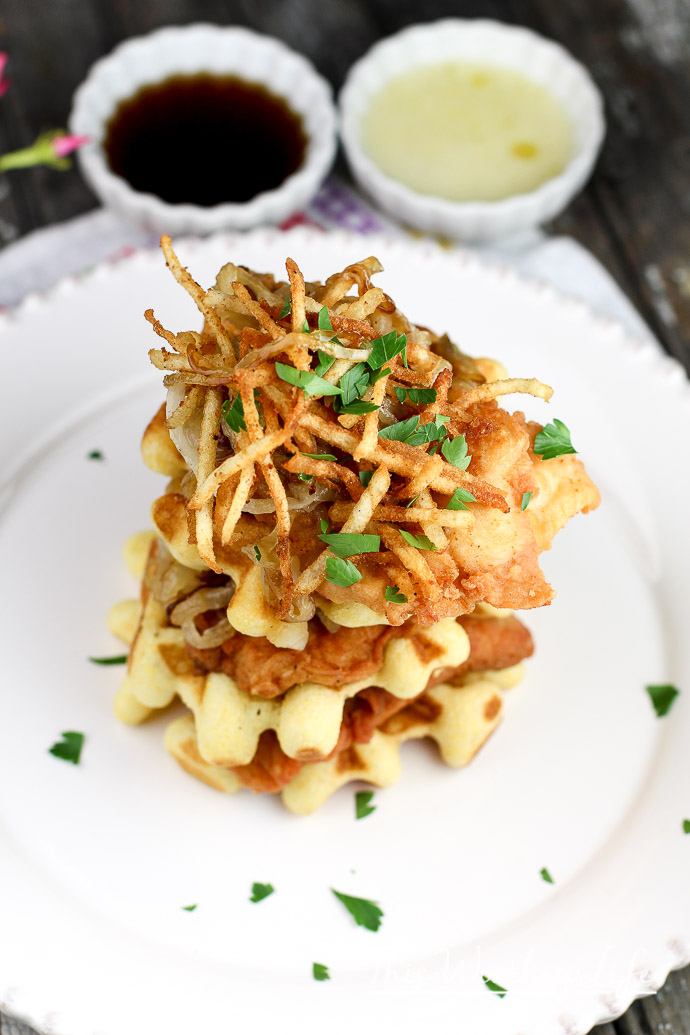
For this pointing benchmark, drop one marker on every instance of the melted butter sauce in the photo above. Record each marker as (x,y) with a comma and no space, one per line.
(467,132)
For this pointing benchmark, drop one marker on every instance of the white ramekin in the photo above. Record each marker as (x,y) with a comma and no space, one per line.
(216,50)
(485,42)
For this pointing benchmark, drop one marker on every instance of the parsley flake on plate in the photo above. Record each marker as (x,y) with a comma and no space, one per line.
(189,909)
(686,826)
(363,808)
(325,363)
(499,990)
(320,971)
(455,452)
(365,913)
(95,454)
(385,348)
(347,544)
(113,659)
(261,891)
(459,498)
(342,573)
(233,414)
(545,875)
(307,380)
(662,696)
(394,596)
(553,440)
(422,542)
(319,456)
(524,503)
(69,748)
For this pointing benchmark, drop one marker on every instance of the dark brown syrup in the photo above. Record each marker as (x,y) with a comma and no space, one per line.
(205,140)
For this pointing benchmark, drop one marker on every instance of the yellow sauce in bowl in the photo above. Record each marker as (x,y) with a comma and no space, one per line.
(467,132)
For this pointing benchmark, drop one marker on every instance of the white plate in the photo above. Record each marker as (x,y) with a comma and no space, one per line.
(97,861)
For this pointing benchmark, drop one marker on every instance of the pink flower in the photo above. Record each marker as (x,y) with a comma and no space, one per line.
(4,82)
(64,145)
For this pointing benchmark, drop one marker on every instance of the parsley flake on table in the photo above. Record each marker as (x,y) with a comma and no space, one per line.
(553,440)
(365,477)
(347,544)
(499,990)
(285,311)
(95,454)
(324,320)
(69,748)
(455,452)
(418,396)
(319,456)
(113,659)
(189,909)
(686,826)
(524,503)
(307,380)
(342,573)
(365,913)
(545,875)
(422,542)
(320,971)
(261,891)
(385,348)
(325,363)
(325,525)
(662,696)
(233,414)
(257,553)
(459,498)
(394,596)
(363,808)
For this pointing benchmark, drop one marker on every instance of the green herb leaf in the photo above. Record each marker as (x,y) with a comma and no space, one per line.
(455,452)
(325,363)
(526,497)
(365,913)
(500,991)
(362,806)
(260,891)
(553,440)
(233,414)
(324,321)
(413,500)
(325,525)
(385,347)
(422,542)
(305,477)
(545,875)
(430,432)
(376,375)
(320,971)
(320,456)
(309,382)
(418,396)
(286,308)
(354,383)
(189,909)
(686,826)
(394,596)
(305,327)
(359,406)
(347,544)
(342,573)
(401,431)
(69,748)
(257,551)
(365,477)
(459,498)
(662,695)
(95,454)
(114,659)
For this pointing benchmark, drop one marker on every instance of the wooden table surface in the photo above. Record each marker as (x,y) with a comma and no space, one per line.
(633,215)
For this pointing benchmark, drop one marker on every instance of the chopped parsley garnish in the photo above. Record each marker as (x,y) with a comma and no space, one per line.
(342,573)
(526,497)
(347,544)
(385,348)
(324,321)
(95,454)
(305,327)
(320,970)
(365,913)
(69,748)
(422,542)
(257,552)
(455,452)
(500,991)
(319,456)
(413,500)
(358,406)
(189,909)
(430,432)
(401,431)
(114,659)
(662,695)
(686,826)
(353,384)
(325,363)
(394,596)
(307,380)
(418,396)
(362,806)
(305,477)
(285,311)
(260,891)
(325,525)
(365,477)
(459,498)
(233,414)
(545,875)
(553,440)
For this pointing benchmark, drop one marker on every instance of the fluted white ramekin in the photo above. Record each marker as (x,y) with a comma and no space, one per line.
(219,50)
(480,42)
